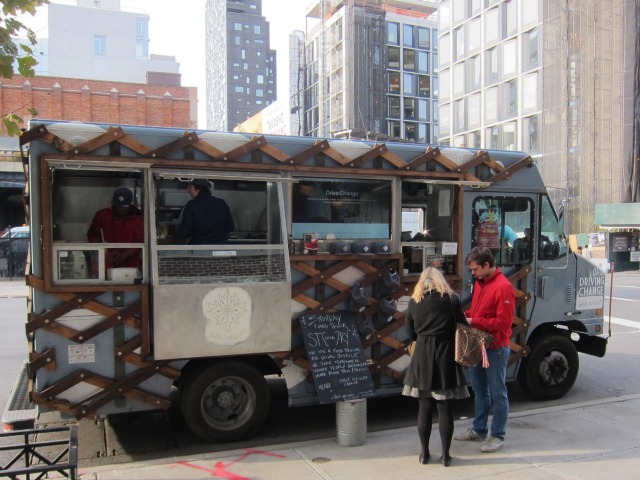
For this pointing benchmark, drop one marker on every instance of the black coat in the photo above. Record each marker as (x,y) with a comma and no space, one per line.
(432,324)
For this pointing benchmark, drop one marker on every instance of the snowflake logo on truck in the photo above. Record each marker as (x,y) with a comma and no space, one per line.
(228,314)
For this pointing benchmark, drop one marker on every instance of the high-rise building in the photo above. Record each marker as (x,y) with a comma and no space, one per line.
(551,78)
(370,69)
(94,39)
(241,67)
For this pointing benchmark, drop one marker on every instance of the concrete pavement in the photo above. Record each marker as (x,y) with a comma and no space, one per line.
(592,440)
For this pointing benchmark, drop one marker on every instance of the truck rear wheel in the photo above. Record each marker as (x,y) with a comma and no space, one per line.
(225,401)
(551,369)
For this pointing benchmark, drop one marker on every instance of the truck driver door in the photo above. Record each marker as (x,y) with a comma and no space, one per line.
(233,298)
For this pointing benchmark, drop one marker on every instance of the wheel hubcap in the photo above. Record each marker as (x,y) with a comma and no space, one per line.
(228,403)
(554,368)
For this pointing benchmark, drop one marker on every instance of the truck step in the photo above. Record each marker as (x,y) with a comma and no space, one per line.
(20,412)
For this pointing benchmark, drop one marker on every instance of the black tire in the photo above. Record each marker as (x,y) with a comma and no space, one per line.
(550,369)
(225,401)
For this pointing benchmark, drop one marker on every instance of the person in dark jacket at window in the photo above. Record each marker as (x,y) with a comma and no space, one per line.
(205,219)
(433,376)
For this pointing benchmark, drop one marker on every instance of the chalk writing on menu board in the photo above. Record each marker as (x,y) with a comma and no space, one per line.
(337,361)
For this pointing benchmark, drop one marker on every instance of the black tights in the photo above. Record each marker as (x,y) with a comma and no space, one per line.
(445,424)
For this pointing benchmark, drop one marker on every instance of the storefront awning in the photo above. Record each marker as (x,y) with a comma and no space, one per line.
(618,215)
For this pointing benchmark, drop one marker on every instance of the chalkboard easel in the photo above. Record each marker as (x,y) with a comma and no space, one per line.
(333,346)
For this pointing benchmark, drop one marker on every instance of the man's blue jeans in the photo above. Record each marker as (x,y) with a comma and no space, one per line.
(490,391)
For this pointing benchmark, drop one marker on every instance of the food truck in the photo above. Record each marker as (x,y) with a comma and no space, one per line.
(315,220)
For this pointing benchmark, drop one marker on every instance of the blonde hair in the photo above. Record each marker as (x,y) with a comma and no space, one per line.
(430,280)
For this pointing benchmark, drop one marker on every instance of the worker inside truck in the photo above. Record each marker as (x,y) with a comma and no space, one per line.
(83,240)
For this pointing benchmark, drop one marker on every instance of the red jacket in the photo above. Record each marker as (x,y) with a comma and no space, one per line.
(492,307)
(107,227)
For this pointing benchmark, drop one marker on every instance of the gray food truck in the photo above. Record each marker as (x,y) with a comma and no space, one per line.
(213,320)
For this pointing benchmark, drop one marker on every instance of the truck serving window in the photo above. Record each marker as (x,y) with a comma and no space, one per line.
(343,209)
(97,224)
(505,226)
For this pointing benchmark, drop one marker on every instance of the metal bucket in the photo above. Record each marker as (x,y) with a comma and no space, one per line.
(351,423)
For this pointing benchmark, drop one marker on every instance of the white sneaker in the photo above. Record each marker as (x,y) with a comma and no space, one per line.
(469,435)
(493,444)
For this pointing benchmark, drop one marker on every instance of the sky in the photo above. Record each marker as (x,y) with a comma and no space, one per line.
(176,27)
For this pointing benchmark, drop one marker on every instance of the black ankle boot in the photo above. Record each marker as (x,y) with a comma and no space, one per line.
(445,461)
(424,459)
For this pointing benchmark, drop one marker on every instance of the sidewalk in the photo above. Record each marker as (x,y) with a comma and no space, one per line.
(591,440)
(13,288)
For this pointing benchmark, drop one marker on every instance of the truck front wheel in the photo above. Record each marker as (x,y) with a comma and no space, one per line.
(551,369)
(225,401)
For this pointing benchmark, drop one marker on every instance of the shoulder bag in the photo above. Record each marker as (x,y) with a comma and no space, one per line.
(471,344)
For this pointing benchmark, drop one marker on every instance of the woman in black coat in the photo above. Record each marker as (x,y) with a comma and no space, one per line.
(433,376)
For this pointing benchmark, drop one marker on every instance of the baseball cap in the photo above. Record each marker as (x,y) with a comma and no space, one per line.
(361,248)
(359,299)
(200,182)
(381,247)
(122,197)
(340,248)
(389,282)
(387,306)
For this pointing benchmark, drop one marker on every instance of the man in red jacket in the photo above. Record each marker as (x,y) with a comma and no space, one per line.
(122,222)
(492,310)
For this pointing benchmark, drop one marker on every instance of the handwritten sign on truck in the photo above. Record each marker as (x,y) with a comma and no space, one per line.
(335,352)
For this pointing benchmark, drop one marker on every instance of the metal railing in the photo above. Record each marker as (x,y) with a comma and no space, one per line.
(36,452)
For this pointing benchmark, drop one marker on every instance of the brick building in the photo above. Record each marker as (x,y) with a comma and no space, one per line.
(100,101)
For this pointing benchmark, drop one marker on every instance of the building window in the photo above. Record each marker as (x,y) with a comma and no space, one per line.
(409,84)
(491,105)
(512,110)
(512,18)
(459,39)
(394,57)
(444,14)
(393,33)
(473,73)
(509,140)
(259,92)
(473,114)
(509,58)
(444,78)
(394,129)
(458,80)
(260,79)
(492,138)
(423,62)
(434,39)
(407,35)
(435,62)
(424,37)
(473,36)
(142,48)
(237,27)
(423,133)
(142,37)
(530,50)
(394,107)
(435,81)
(492,66)
(444,123)
(409,107)
(236,40)
(409,59)
(257,30)
(530,134)
(529,12)
(530,92)
(99,44)
(410,131)
(424,85)
(445,53)
(239,89)
(460,115)
(423,110)
(394,82)
(459,10)
(492,26)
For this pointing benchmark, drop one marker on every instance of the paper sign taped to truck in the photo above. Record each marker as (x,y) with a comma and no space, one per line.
(590,290)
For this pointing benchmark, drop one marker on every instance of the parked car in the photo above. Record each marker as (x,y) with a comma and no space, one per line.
(14,245)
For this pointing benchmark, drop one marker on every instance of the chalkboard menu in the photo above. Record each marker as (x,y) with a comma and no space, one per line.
(619,243)
(335,352)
